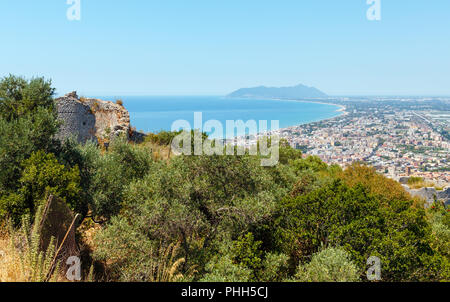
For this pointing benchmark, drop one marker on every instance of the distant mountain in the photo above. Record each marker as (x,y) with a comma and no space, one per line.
(299,91)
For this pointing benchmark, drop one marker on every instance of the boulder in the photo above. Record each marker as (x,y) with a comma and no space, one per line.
(430,195)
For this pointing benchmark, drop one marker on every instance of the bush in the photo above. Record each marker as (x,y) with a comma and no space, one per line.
(328,265)
(439,219)
(20,97)
(362,223)
(377,184)
(248,253)
(197,201)
(132,257)
(27,124)
(287,153)
(19,139)
(243,260)
(163,138)
(313,163)
(414,180)
(223,269)
(106,175)
(42,176)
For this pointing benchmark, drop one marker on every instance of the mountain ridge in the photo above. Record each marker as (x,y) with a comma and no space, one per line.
(298,91)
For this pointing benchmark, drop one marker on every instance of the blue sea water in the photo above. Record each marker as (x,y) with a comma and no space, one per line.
(156,113)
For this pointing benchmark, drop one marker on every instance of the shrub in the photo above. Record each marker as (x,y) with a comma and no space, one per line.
(223,269)
(21,137)
(287,153)
(197,201)
(27,124)
(105,175)
(439,219)
(377,184)
(42,176)
(247,252)
(362,223)
(275,268)
(243,260)
(313,163)
(414,180)
(131,257)
(328,265)
(20,97)
(162,138)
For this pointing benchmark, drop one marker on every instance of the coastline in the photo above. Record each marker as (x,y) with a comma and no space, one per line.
(333,112)
(342,110)
(342,107)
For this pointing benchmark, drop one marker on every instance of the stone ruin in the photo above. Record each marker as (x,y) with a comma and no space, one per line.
(93,120)
(430,195)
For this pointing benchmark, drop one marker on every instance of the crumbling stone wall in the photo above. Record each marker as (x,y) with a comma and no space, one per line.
(91,119)
(430,194)
(77,119)
(111,119)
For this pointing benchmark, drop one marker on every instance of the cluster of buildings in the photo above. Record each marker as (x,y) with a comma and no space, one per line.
(398,137)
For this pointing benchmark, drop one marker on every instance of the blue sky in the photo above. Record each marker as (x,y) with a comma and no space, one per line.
(212,47)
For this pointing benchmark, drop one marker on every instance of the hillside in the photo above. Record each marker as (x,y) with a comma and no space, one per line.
(144,214)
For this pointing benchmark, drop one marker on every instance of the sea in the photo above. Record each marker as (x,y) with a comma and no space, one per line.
(157,113)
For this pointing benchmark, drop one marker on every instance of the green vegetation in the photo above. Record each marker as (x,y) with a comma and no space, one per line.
(329,265)
(162,138)
(147,217)
(413,180)
(419,182)
(42,175)
(27,125)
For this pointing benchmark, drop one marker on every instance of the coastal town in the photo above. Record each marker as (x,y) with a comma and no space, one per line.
(400,137)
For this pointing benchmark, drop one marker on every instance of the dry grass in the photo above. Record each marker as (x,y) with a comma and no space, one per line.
(19,261)
(159,152)
(167,270)
(420,182)
(424,184)
(8,264)
(95,108)
(166,266)
(23,258)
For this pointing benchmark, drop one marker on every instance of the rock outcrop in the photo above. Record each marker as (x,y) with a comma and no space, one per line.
(91,119)
(430,195)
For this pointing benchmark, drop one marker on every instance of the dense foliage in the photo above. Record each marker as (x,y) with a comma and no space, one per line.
(213,218)
(329,265)
(27,124)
